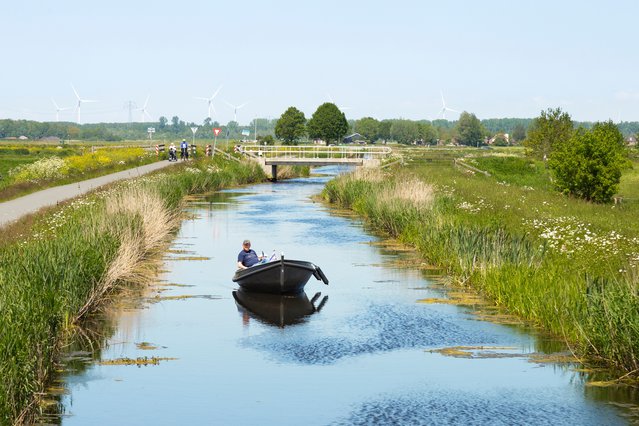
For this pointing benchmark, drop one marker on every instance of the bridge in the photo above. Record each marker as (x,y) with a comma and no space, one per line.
(315,155)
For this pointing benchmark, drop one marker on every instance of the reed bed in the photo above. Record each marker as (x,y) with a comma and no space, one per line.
(553,261)
(76,257)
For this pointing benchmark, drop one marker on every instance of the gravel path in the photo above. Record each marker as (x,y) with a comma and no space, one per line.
(14,209)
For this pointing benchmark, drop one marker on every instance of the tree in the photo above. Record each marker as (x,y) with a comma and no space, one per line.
(384,129)
(369,128)
(470,131)
(519,133)
(291,126)
(589,164)
(548,131)
(162,123)
(427,133)
(327,123)
(405,131)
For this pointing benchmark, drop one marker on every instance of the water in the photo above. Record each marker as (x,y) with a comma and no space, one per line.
(358,351)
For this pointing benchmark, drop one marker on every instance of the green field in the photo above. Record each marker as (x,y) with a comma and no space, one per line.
(569,266)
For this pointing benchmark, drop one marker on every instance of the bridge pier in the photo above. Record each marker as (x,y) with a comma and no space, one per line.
(274,172)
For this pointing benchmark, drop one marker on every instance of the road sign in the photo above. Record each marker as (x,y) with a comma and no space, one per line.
(151,130)
(246,132)
(217,131)
(194,129)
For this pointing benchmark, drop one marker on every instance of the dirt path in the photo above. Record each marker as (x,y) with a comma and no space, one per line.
(14,209)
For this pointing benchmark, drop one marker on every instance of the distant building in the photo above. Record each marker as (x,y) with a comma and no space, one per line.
(631,141)
(23,138)
(354,138)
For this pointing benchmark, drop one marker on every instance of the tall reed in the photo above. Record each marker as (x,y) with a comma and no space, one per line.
(573,292)
(77,256)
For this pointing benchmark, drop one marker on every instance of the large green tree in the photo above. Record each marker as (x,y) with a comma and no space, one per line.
(548,131)
(428,133)
(589,164)
(368,127)
(405,131)
(291,126)
(469,129)
(519,133)
(327,123)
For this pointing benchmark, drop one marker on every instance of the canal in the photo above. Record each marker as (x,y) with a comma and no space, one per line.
(365,349)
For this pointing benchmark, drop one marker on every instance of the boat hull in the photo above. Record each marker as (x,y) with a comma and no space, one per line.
(280,277)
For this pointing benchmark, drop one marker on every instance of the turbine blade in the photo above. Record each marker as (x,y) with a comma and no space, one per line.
(55,105)
(230,105)
(76,92)
(146,102)
(216,92)
(240,106)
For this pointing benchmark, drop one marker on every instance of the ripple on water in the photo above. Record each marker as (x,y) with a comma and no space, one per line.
(381,328)
(500,407)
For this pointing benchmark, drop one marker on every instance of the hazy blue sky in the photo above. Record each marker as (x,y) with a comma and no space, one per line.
(385,59)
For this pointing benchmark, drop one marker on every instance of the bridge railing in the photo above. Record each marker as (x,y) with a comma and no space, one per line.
(318,151)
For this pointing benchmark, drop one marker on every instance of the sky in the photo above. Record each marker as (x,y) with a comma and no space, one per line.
(381,59)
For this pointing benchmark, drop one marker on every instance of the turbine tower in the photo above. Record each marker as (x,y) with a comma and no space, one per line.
(80,100)
(143,110)
(235,108)
(210,100)
(57,110)
(445,108)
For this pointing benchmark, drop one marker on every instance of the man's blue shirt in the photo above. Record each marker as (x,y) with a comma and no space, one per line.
(248,258)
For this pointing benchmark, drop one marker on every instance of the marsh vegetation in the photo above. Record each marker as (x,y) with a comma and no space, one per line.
(567,265)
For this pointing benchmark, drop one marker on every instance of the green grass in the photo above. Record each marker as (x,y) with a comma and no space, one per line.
(12,156)
(54,268)
(566,265)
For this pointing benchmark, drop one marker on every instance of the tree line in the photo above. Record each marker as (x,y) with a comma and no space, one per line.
(466,130)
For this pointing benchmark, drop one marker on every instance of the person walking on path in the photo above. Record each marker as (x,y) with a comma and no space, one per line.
(184,155)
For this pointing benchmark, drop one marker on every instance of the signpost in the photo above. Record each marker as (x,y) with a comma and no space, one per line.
(216,131)
(194,130)
(150,131)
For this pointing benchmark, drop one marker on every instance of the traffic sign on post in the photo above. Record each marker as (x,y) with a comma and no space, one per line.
(217,131)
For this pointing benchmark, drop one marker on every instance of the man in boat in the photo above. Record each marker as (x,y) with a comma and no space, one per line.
(247,256)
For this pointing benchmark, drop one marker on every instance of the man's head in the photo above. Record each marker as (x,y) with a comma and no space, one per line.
(246,245)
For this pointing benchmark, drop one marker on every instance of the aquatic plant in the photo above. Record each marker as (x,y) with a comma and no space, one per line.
(71,260)
(562,264)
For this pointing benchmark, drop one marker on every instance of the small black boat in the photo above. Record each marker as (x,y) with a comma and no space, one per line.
(281,276)
(278,309)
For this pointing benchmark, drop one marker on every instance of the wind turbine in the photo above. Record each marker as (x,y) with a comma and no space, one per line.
(235,108)
(445,108)
(57,110)
(80,100)
(143,110)
(210,100)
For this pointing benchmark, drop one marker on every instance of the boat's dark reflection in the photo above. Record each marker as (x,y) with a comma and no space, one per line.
(279,310)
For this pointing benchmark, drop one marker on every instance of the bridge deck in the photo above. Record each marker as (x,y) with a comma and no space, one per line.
(291,161)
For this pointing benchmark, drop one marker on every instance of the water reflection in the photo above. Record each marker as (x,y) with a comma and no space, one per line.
(275,309)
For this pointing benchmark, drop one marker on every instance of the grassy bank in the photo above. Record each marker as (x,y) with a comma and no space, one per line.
(563,264)
(72,258)
(30,168)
